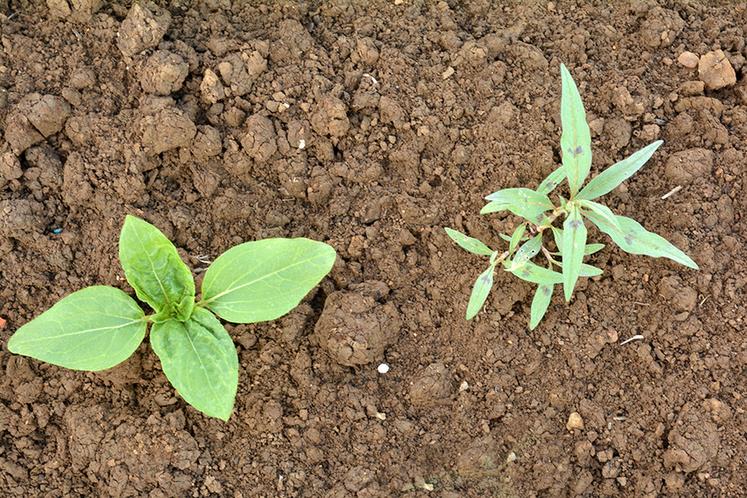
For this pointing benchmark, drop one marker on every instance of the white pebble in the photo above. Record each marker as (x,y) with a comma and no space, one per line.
(383,368)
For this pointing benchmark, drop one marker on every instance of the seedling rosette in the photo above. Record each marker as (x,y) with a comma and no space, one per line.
(565,263)
(98,327)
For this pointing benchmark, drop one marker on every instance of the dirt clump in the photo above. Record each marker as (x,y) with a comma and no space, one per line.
(715,70)
(163,73)
(356,327)
(143,28)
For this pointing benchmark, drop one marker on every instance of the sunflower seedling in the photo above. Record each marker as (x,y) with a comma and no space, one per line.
(540,215)
(99,327)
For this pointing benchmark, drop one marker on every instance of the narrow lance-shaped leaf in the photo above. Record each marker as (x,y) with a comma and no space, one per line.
(634,239)
(601,210)
(467,243)
(613,176)
(551,181)
(540,303)
(265,279)
(574,243)
(527,251)
(523,202)
(589,271)
(154,269)
(592,249)
(199,359)
(588,250)
(575,140)
(92,329)
(480,292)
(535,274)
(516,237)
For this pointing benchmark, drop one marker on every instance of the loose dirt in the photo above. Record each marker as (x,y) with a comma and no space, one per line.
(371,125)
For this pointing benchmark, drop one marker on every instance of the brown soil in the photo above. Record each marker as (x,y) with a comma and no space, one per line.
(371,125)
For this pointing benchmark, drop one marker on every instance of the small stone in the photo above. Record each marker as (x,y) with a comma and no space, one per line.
(511,457)
(463,386)
(574,422)
(448,73)
(715,70)
(688,60)
(211,88)
(382,368)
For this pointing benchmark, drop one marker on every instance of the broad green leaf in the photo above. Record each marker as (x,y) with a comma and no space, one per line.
(92,329)
(592,249)
(536,274)
(601,210)
(504,237)
(469,243)
(635,239)
(527,251)
(480,292)
(265,279)
(575,141)
(613,176)
(574,243)
(523,202)
(199,359)
(551,181)
(516,237)
(589,271)
(154,269)
(540,302)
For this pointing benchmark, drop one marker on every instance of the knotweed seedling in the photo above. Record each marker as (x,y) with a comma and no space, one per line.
(99,327)
(540,215)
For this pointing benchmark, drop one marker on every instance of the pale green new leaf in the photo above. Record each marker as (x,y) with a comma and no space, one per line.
(524,202)
(592,249)
(92,329)
(467,243)
(551,181)
(634,239)
(154,269)
(575,141)
(613,176)
(557,235)
(536,274)
(199,359)
(589,271)
(540,303)
(265,279)
(574,243)
(480,292)
(527,251)
(601,210)
(516,237)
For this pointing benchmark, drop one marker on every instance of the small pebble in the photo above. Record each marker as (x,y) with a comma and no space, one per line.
(463,386)
(688,60)
(574,422)
(383,368)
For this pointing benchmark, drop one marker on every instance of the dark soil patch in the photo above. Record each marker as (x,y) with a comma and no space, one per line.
(371,125)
